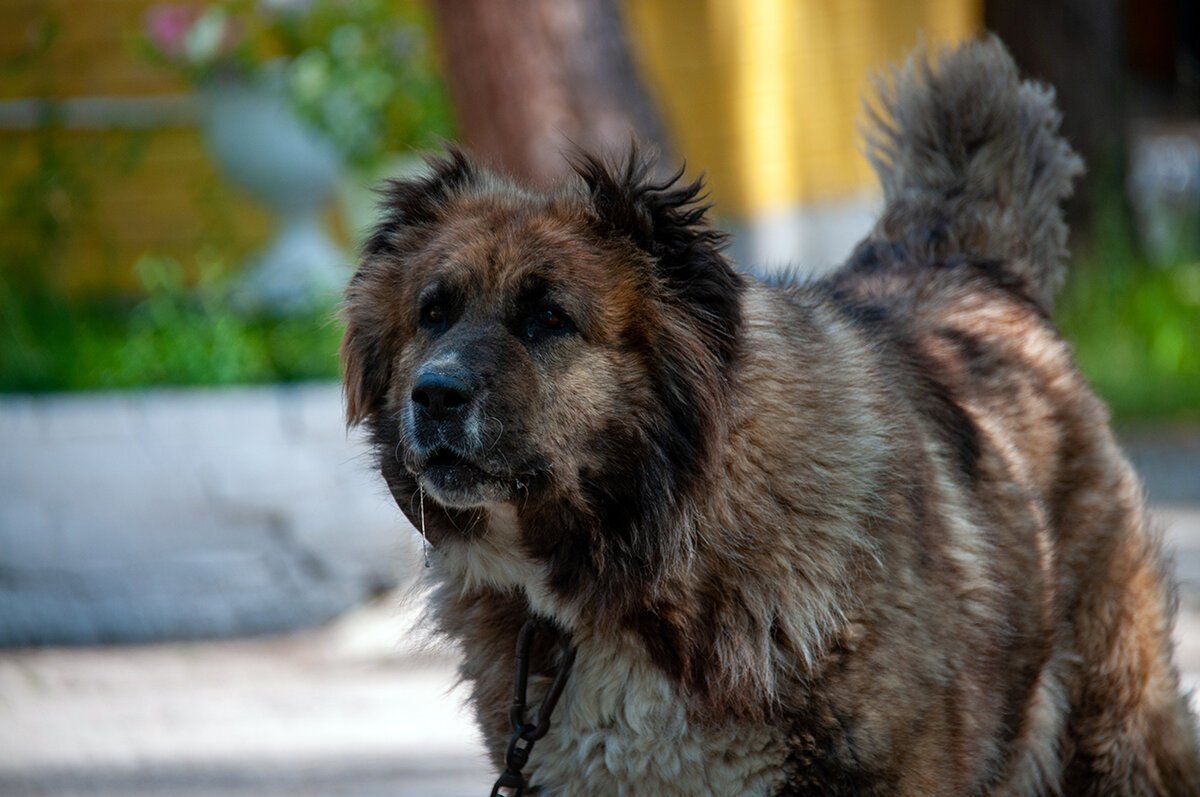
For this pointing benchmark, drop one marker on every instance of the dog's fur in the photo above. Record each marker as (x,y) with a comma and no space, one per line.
(867,535)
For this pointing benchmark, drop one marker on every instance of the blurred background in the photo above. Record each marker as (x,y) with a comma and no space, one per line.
(202,584)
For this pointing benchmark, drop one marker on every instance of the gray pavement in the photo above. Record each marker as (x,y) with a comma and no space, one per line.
(197,513)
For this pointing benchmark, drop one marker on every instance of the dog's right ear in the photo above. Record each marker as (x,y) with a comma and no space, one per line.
(407,206)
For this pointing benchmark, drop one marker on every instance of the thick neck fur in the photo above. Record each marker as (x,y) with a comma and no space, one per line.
(795,549)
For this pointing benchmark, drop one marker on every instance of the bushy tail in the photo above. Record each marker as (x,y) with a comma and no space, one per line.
(971,158)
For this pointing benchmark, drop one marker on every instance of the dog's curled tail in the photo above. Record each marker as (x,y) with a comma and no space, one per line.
(971,160)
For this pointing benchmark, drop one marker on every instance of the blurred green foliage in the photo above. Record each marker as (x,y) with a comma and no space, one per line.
(365,74)
(1135,325)
(174,335)
(362,72)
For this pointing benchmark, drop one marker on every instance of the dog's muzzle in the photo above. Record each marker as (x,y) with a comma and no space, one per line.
(446,440)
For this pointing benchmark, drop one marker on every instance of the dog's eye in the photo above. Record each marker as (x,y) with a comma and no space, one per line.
(552,319)
(433,315)
(548,320)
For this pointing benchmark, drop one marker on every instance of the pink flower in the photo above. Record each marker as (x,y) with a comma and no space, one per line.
(168,24)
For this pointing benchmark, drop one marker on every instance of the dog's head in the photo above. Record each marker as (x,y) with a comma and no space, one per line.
(562,353)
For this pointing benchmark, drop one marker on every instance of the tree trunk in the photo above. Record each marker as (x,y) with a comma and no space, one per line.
(1077,46)
(531,80)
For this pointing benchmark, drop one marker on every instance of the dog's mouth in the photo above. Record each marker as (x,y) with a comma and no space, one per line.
(456,480)
(442,464)
(463,482)
(445,458)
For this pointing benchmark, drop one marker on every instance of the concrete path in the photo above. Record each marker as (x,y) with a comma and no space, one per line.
(359,706)
(355,708)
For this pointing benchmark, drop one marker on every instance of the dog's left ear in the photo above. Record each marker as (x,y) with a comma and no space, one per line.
(667,219)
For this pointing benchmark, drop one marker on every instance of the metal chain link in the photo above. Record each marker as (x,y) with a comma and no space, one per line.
(526,733)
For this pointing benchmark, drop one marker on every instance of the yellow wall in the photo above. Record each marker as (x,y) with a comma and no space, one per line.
(92,51)
(118,192)
(764,94)
(130,193)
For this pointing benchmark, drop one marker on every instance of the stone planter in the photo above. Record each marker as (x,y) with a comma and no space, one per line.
(261,146)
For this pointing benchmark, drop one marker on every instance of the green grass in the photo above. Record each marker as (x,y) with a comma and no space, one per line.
(171,336)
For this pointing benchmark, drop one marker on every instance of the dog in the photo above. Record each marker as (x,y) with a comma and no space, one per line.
(868,534)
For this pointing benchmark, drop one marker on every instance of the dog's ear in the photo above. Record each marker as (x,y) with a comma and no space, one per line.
(366,370)
(407,206)
(667,219)
(410,203)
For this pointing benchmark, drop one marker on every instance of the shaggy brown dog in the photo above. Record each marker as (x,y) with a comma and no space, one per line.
(868,535)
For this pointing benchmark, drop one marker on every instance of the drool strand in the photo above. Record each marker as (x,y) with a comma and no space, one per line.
(424,539)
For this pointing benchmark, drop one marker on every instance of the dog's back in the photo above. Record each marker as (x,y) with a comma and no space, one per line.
(958,278)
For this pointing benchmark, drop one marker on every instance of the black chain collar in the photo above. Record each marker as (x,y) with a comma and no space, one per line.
(526,733)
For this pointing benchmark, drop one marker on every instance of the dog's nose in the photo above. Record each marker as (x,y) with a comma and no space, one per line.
(440,394)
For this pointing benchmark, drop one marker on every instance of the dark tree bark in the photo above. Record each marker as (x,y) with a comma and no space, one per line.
(533,79)
(1077,46)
